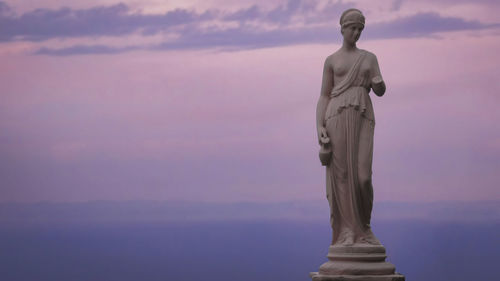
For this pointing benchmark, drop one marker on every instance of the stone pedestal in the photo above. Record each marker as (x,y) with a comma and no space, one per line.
(393,277)
(358,262)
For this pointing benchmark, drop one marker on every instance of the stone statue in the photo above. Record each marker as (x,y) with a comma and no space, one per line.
(345,125)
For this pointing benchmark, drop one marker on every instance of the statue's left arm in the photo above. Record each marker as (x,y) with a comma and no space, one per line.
(377,83)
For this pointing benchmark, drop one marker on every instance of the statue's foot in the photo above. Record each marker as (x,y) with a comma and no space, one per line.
(349,241)
(346,238)
(368,238)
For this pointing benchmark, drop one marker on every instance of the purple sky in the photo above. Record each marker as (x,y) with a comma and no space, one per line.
(215,100)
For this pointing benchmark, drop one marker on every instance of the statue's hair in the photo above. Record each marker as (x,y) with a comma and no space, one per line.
(348,11)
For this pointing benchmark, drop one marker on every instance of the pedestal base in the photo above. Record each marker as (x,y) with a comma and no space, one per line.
(393,277)
(359,262)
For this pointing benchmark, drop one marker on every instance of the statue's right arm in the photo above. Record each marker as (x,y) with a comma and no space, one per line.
(324,98)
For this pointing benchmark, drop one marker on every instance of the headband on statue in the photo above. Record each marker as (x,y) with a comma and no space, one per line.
(352,16)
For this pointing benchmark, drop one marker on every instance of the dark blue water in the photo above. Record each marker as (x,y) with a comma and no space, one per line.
(234,250)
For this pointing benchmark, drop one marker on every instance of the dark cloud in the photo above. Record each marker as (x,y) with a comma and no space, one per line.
(119,20)
(251,13)
(243,38)
(116,20)
(308,10)
(232,39)
(318,25)
(421,25)
(284,13)
(396,5)
(4,9)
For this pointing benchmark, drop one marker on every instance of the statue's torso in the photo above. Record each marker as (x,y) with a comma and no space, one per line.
(341,62)
(356,92)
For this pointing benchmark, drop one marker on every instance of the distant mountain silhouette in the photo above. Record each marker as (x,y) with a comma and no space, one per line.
(154,211)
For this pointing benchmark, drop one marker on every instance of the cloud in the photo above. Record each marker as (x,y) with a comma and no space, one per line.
(115,20)
(84,49)
(421,25)
(244,37)
(396,5)
(296,22)
(119,20)
(244,14)
(418,25)
(4,9)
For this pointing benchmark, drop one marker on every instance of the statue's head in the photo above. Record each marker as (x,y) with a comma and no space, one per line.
(352,22)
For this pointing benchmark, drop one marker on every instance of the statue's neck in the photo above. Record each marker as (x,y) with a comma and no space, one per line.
(349,47)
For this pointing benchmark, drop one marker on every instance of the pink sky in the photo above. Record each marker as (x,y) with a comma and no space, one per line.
(232,119)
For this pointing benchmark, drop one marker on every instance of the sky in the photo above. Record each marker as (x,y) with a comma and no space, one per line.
(215,100)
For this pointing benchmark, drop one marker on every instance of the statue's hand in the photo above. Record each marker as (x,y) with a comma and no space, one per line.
(377,80)
(378,85)
(323,136)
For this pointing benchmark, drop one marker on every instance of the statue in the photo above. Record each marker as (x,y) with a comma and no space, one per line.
(345,125)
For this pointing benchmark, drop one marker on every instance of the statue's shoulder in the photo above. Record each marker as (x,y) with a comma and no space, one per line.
(369,55)
(335,55)
(330,60)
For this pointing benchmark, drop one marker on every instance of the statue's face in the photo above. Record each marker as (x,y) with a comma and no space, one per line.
(352,32)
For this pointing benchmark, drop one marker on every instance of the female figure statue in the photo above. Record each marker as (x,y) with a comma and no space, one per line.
(345,124)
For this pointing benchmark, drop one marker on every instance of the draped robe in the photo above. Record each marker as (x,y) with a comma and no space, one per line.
(349,121)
